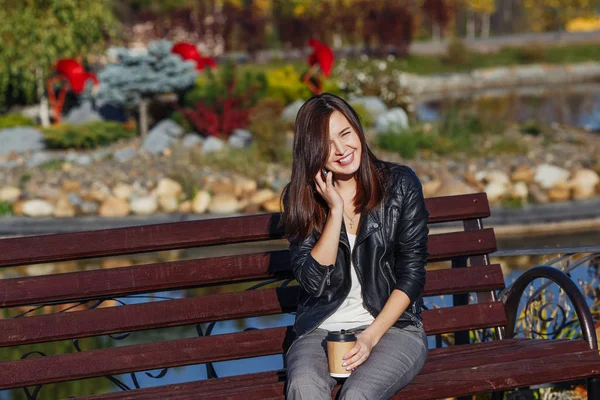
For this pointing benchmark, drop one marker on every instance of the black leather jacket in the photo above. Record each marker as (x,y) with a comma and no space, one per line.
(390,253)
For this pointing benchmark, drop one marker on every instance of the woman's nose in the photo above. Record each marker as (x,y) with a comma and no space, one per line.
(338,147)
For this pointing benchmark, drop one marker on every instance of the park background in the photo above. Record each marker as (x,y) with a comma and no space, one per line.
(475,95)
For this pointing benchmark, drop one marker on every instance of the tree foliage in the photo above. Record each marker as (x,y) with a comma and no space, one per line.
(544,15)
(36,33)
(481,6)
(135,78)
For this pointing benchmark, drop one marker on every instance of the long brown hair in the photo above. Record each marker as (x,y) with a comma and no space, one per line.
(305,211)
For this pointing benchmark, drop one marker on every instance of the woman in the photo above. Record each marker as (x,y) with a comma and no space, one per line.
(357,228)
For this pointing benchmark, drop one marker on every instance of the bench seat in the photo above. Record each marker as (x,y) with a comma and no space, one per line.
(450,371)
(473,285)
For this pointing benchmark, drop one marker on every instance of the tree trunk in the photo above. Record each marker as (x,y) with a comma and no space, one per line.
(436,32)
(143,110)
(44,112)
(485,25)
(470,25)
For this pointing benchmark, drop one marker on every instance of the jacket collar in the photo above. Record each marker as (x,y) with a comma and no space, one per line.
(368,224)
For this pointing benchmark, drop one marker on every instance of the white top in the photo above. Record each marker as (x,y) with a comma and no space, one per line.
(352,313)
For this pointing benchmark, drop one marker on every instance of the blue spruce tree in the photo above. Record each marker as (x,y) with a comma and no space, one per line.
(136,78)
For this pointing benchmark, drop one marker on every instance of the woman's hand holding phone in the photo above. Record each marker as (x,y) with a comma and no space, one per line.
(324,186)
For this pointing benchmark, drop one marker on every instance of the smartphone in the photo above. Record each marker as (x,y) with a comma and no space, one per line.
(324,175)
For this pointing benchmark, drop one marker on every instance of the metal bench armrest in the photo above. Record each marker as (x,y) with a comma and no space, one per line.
(513,295)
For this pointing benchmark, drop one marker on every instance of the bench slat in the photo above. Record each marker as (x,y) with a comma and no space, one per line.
(456,382)
(178,235)
(189,273)
(209,308)
(468,356)
(172,353)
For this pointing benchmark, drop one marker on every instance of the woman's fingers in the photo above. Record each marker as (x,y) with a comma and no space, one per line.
(351,353)
(356,360)
(320,182)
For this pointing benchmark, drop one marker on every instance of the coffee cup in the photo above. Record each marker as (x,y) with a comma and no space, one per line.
(338,344)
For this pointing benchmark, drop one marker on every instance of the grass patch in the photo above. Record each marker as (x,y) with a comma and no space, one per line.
(52,165)
(5,208)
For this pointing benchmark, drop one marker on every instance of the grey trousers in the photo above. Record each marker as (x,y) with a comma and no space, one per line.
(393,363)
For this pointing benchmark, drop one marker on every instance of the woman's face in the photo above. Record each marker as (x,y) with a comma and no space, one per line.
(344,147)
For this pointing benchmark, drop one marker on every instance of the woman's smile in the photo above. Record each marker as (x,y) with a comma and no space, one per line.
(347,160)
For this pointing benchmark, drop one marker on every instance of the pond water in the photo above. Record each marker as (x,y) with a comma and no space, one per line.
(575,105)
(513,267)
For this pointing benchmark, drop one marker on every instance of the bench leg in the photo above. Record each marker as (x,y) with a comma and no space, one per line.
(497,396)
(593,388)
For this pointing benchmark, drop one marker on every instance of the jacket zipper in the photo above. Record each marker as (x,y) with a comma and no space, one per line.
(329,314)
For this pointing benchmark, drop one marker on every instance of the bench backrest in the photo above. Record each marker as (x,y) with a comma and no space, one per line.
(469,247)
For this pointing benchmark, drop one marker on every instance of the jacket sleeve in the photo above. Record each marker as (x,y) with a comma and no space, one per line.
(308,272)
(411,241)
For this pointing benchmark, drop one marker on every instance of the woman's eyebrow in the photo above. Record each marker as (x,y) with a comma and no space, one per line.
(343,130)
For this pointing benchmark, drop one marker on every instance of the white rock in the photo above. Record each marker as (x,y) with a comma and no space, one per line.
(168,187)
(240,139)
(290,112)
(125,155)
(499,177)
(223,204)
(144,205)
(10,194)
(452,186)
(168,203)
(191,140)
(37,208)
(495,191)
(212,144)
(520,190)
(122,191)
(114,207)
(374,105)
(262,196)
(64,208)
(547,176)
(40,269)
(244,186)
(395,120)
(584,183)
(201,202)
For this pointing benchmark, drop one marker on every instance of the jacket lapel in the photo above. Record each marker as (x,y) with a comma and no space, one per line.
(369,224)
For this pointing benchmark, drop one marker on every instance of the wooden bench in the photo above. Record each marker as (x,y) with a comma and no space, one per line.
(450,371)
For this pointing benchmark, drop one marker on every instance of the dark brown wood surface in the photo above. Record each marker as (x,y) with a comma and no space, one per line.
(177,235)
(518,356)
(189,273)
(202,309)
(171,353)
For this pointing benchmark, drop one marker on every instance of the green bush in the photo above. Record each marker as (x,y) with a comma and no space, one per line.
(457,52)
(530,54)
(182,121)
(88,136)
(507,145)
(5,208)
(366,119)
(286,85)
(532,128)
(407,143)
(13,120)
(211,85)
(269,130)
